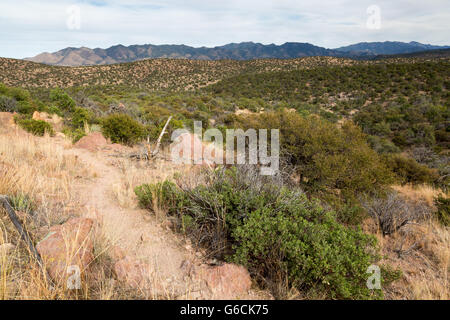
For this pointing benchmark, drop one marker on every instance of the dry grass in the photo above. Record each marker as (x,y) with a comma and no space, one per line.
(38,168)
(422,252)
(422,193)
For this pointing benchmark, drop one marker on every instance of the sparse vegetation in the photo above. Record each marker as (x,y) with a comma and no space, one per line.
(364,146)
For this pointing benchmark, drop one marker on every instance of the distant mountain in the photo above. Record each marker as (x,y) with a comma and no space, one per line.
(234,51)
(387,48)
(429,54)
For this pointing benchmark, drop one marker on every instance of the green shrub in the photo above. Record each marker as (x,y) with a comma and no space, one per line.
(53,110)
(3,88)
(80,116)
(19,94)
(327,157)
(157,194)
(62,100)
(317,253)
(443,210)
(409,170)
(277,233)
(36,127)
(8,104)
(25,107)
(74,134)
(121,128)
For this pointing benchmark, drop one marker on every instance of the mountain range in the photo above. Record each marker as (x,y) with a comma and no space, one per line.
(234,51)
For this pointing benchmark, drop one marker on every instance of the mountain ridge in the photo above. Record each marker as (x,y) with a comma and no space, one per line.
(84,56)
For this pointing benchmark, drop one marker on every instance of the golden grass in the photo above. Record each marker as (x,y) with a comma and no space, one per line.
(422,193)
(39,168)
(424,260)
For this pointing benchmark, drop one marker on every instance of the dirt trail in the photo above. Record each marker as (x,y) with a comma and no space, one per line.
(133,230)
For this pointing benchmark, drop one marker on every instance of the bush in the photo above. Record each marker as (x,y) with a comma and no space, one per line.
(277,233)
(19,94)
(79,117)
(62,100)
(53,110)
(391,212)
(443,210)
(74,134)
(299,239)
(327,157)
(8,104)
(121,128)
(409,170)
(36,127)
(151,195)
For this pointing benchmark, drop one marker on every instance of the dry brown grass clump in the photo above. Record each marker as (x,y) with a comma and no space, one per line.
(39,178)
(422,252)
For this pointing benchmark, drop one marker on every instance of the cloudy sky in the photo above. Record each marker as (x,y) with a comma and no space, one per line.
(31,27)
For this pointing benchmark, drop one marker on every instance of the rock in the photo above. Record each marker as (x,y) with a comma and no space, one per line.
(67,246)
(228,281)
(37,116)
(6,248)
(92,142)
(117,253)
(133,273)
(55,120)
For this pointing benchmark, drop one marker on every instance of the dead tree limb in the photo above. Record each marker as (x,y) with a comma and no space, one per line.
(158,143)
(4,201)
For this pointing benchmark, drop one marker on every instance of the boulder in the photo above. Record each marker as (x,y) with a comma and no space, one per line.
(67,246)
(226,282)
(55,120)
(139,276)
(92,142)
(37,116)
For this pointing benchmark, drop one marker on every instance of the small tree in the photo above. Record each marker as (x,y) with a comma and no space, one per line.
(121,128)
(62,100)
(79,117)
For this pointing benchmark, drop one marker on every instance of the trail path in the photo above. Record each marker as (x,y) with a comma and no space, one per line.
(137,233)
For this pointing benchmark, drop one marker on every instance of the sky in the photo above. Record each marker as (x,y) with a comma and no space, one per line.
(28,28)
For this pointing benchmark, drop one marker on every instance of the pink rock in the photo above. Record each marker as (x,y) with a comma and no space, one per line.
(132,272)
(228,281)
(92,142)
(66,246)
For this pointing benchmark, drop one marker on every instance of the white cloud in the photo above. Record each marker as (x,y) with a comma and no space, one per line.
(30,27)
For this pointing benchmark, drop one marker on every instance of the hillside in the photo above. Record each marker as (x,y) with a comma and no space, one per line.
(155,74)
